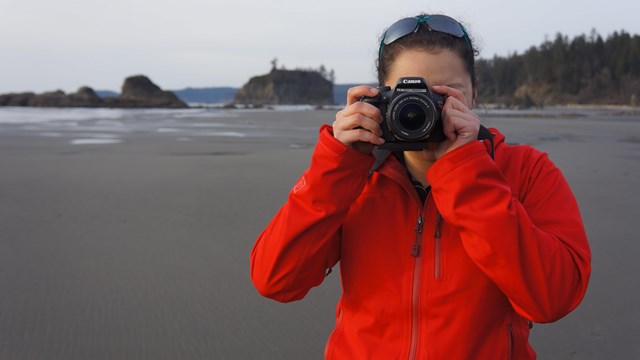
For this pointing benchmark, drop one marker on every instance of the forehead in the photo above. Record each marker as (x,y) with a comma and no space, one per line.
(439,67)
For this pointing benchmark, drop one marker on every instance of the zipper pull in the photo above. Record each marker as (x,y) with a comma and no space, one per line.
(419,223)
(415,251)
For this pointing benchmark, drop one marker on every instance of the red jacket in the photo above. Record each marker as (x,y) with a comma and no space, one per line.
(508,248)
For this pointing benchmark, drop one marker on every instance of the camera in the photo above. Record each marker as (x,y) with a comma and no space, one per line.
(411,113)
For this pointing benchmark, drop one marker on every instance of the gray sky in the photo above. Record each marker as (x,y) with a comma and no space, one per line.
(64,44)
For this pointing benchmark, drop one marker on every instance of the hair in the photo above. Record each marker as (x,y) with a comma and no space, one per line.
(427,40)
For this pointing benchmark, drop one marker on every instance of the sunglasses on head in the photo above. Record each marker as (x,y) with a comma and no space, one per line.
(439,23)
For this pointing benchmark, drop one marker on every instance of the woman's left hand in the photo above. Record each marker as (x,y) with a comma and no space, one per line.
(460,124)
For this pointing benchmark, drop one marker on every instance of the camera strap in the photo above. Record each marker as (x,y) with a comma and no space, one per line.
(485,134)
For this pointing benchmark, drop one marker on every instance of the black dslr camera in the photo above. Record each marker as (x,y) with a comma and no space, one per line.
(411,113)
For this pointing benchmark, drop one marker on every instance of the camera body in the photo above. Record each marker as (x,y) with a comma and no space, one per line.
(411,113)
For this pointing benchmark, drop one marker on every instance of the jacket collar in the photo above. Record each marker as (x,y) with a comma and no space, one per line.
(388,165)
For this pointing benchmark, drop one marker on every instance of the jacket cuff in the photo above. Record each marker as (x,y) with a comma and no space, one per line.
(333,146)
(455,159)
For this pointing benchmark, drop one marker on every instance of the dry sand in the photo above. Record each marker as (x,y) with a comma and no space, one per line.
(140,249)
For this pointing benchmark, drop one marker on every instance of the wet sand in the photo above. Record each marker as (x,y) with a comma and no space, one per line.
(140,249)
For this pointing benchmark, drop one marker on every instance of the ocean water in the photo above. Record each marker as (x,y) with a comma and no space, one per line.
(85,126)
(282,126)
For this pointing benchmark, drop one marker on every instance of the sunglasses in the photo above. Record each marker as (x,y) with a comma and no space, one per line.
(439,23)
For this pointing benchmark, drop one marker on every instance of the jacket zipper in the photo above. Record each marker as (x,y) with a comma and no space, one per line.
(437,248)
(415,289)
(415,251)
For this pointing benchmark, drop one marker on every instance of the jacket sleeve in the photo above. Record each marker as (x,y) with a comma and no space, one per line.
(533,246)
(303,239)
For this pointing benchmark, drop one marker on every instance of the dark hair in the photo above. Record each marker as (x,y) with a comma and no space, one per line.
(427,40)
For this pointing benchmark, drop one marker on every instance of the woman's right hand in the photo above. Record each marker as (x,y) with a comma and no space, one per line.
(358,124)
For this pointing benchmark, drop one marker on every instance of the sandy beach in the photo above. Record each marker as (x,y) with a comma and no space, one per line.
(128,236)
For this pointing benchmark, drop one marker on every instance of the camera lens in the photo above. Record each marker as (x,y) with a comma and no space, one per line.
(411,116)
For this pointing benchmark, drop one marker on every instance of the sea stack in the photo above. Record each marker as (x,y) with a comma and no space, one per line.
(286,87)
(140,92)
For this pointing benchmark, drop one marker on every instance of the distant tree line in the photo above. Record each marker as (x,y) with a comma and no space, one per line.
(584,70)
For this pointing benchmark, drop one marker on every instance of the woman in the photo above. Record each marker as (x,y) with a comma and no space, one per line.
(451,252)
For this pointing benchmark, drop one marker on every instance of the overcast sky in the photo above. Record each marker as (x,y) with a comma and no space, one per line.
(64,44)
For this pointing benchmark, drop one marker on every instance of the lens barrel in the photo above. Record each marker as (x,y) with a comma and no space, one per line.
(412,116)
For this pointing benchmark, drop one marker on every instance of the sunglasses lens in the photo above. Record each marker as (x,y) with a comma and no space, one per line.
(445,24)
(399,29)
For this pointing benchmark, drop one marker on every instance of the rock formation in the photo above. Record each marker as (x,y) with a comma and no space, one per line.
(137,92)
(16,99)
(286,87)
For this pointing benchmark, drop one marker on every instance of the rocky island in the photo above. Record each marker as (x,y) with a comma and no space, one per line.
(286,87)
(137,92)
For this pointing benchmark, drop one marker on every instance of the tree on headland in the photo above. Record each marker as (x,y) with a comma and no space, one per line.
(582,70)
(323,71)
(329,75)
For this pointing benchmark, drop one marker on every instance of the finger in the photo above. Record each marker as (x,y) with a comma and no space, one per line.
(449,128)
(355,93)
(361,135)
(356,121)
(464,116)
(450,92)
(461,126)
(453,103)
(366,109)
(367,124)
(451,112)
(453,108)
